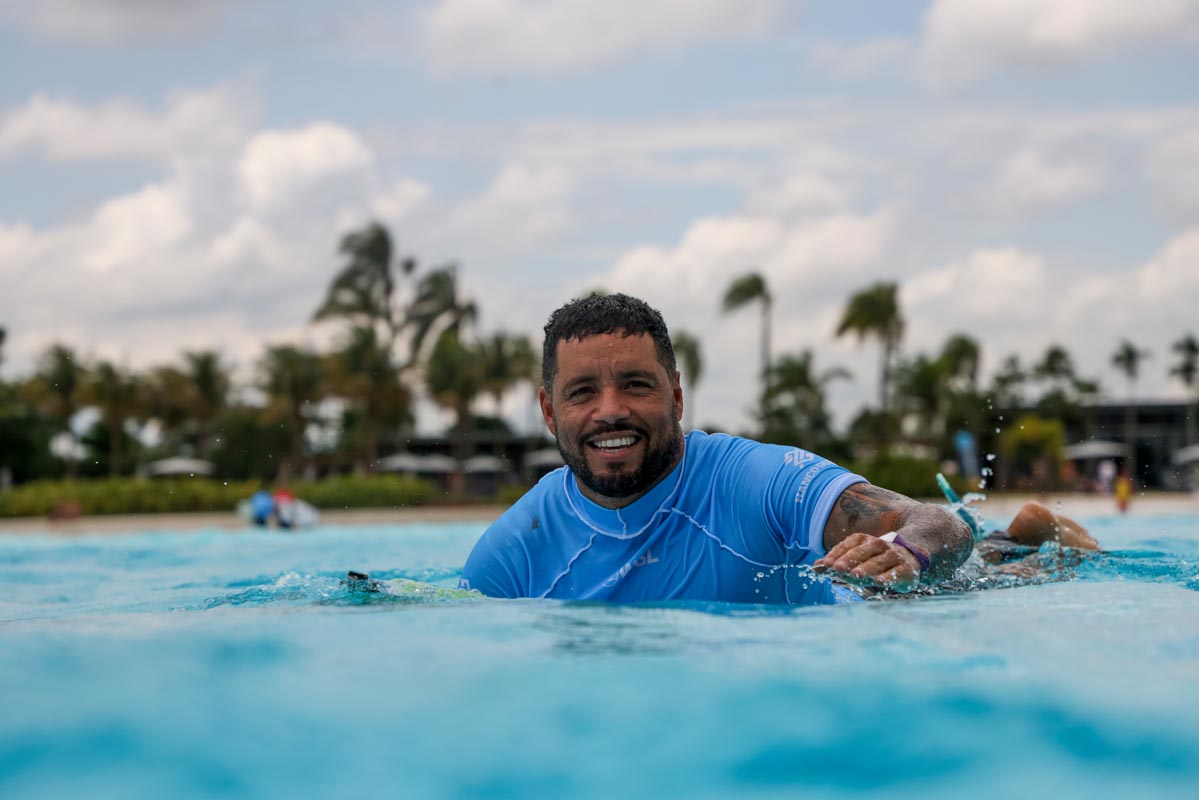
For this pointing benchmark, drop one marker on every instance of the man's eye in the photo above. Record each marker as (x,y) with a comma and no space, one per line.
(580,392)
(640,385)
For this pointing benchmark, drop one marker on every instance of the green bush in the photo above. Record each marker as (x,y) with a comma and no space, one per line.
(142,496)
(124,496)
(507,495)
(915,477)
(366,491)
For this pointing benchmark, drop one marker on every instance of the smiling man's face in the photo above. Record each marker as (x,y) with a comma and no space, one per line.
(615,412)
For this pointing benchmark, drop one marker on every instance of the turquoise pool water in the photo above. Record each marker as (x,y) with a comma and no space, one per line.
(237,665)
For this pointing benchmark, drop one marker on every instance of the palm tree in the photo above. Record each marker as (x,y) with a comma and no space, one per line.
(363,291)
(1127,359)
(454,378)
(115,392)
(209,390)
(749,288)
(960,355)
(507,360)
(437,307)
(1186,369)
(292,379)
(363,369)
(874,312)
(690,357)
(166,397)
(922,386)
(56,390)
(794,406)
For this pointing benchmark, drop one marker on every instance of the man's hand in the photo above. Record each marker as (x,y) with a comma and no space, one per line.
(869,561)
(863,514)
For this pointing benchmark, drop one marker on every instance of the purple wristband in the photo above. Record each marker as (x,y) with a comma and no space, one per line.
(906,545)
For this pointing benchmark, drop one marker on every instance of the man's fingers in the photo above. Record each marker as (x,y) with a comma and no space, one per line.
(850,552)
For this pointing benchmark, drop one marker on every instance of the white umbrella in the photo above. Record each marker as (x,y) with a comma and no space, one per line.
(168,467)
(1095,448)
(1187,455)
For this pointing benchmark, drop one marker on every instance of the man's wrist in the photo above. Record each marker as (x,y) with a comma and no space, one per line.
(921,557)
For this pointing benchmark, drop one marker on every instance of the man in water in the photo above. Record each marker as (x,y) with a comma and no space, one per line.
(1015,550)
(641,512)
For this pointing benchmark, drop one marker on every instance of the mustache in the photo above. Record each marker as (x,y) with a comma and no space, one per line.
(600,430)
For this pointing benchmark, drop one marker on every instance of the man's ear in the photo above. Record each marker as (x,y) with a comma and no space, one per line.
(547,410)
(677,388)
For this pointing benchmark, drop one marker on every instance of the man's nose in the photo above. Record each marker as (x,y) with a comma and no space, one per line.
(612,406)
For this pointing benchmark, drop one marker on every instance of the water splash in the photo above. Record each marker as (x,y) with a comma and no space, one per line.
(293,588)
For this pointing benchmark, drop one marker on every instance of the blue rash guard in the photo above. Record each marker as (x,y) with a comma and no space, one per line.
(731,523)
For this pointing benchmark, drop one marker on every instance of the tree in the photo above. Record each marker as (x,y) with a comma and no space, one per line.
(793,411)
(750,288)
(454,378)
(1186,369)
(874,313)
(56,390)
(166,397)
(1127,359)
(292,379)
(363,291)
(507,360)
(436,308)
(362,368)
(209,383)
(115,392)
(690,357)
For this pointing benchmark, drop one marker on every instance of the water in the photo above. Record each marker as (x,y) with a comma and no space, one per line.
(238,664)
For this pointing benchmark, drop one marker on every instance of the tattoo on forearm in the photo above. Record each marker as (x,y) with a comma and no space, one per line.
(864,503)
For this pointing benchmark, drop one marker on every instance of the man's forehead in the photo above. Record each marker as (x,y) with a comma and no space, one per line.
(608,340)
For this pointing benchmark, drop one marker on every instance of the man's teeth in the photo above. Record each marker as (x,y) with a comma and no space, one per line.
(612,444)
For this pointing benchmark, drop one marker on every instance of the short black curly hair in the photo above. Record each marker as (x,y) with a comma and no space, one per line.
(597,314)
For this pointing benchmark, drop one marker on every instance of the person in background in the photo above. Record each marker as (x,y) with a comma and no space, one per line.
(1123,490)
(261,507)
(285,509)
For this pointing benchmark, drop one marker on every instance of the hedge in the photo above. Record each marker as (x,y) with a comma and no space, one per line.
(143,496)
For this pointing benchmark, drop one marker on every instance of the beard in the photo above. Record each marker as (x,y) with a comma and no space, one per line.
(654,466)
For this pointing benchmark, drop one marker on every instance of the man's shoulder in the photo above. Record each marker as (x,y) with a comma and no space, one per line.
(712,447)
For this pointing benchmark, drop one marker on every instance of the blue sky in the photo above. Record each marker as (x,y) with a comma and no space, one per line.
(176,175)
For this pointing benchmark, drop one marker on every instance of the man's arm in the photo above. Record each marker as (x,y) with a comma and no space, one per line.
(863,513)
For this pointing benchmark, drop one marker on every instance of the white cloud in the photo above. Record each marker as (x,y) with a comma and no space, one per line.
(524,206)
(1173,165)
(965,39)
(1171,278)
(990,284)
(506,36)
(1031,180)
(130,229)
(208,121)
(107,22)
(861,60)
(803,193)
(397,201)
(278,166)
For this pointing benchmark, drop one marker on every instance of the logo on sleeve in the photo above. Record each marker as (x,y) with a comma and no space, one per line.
(797,458)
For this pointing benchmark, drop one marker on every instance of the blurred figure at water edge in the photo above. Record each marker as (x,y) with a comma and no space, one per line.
(261,507)
(285,508)
(642,512)
(1123,490)
(1107,475)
